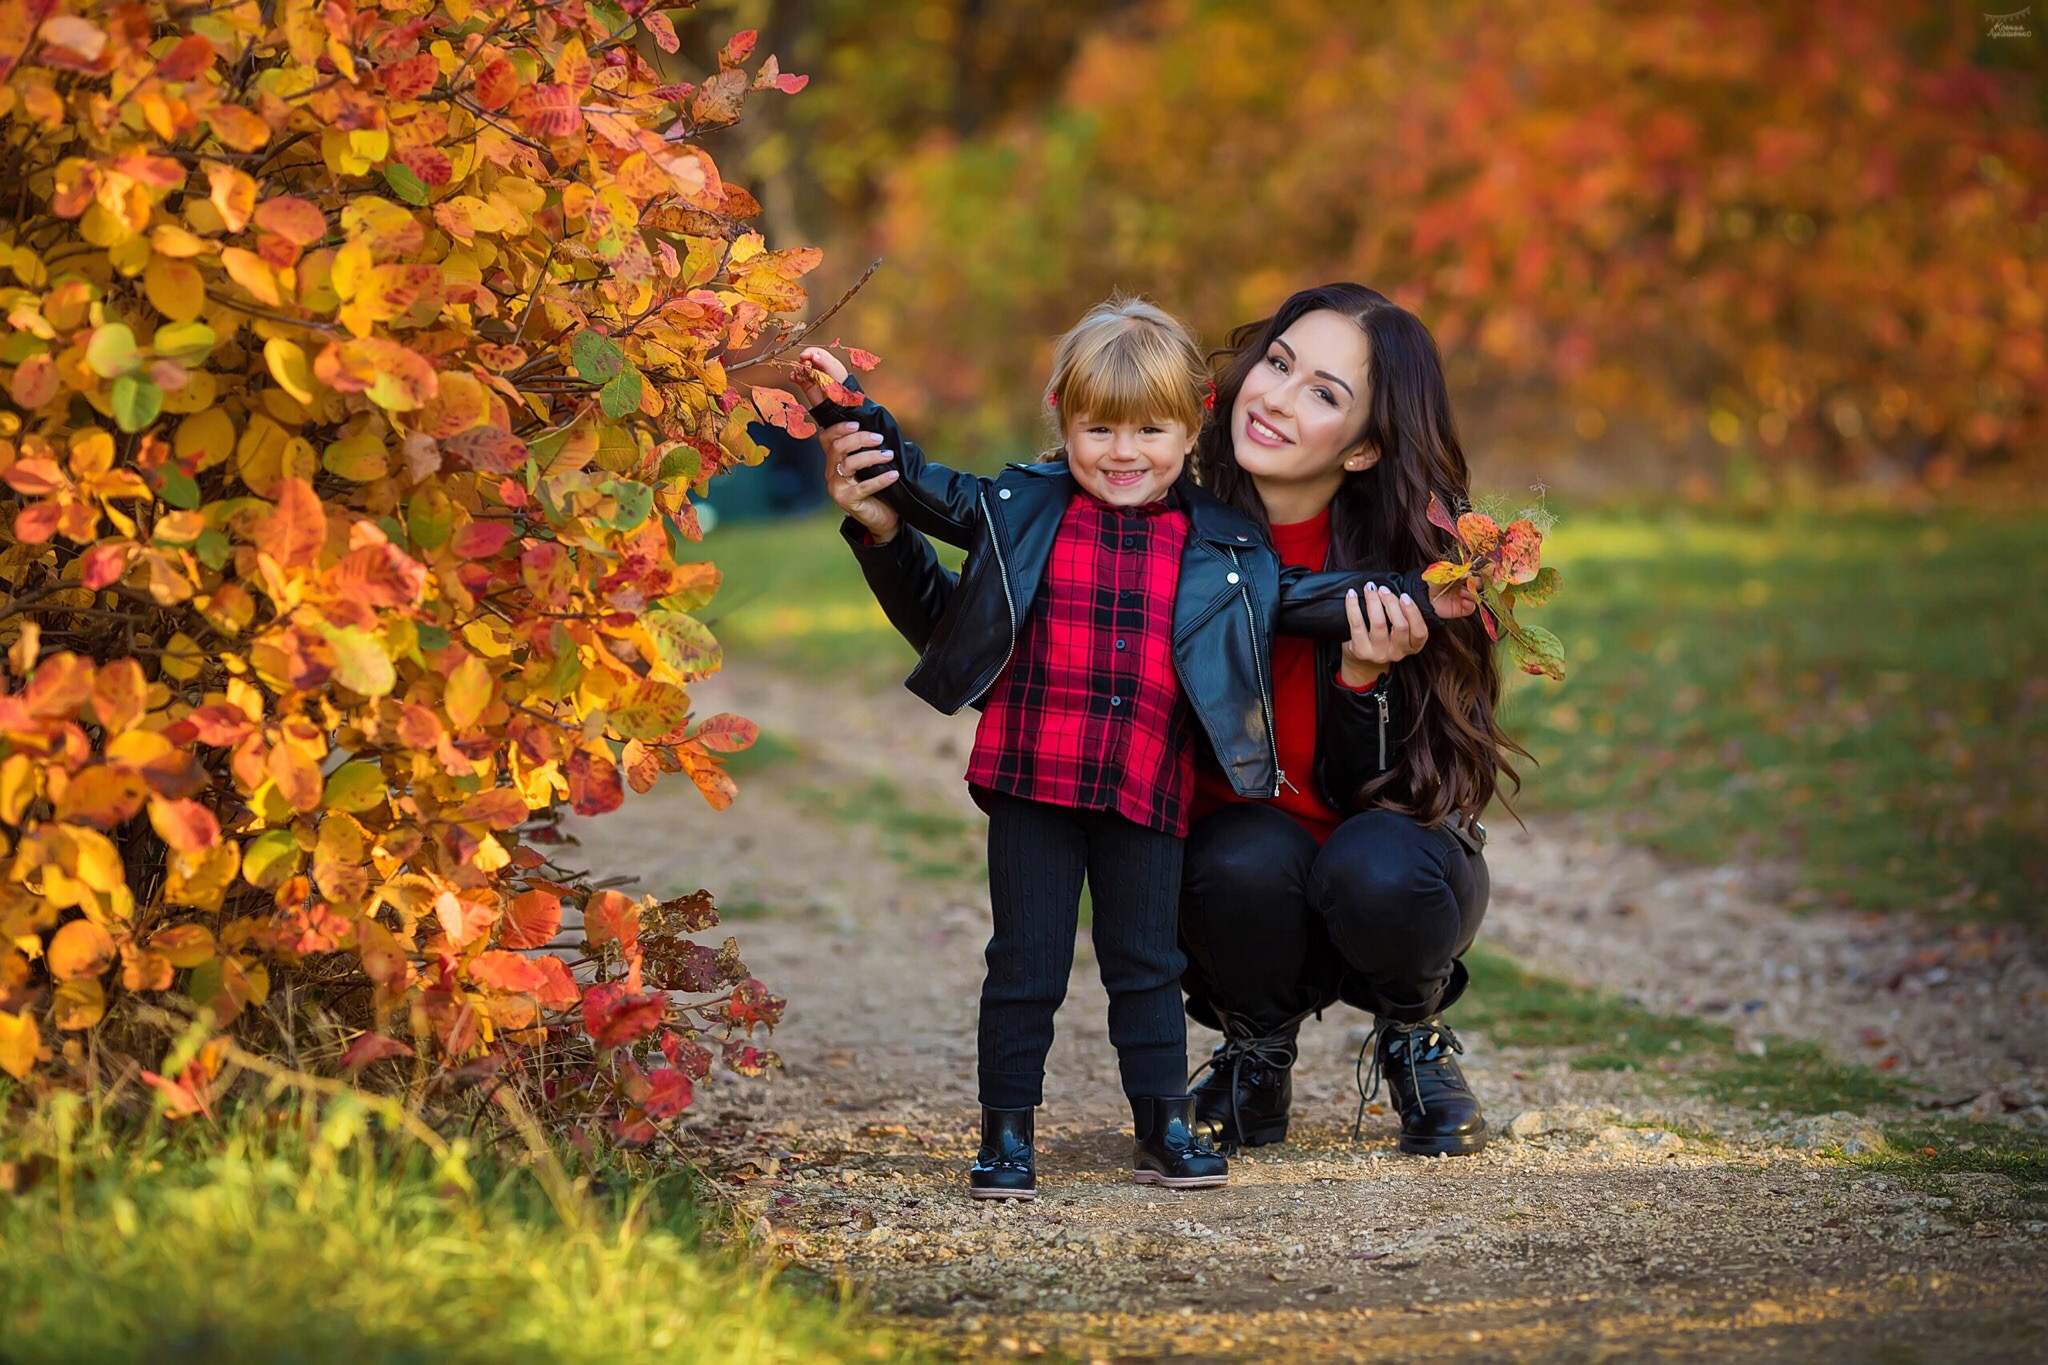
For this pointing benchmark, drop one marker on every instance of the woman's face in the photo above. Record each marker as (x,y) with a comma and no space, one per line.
(1299,414)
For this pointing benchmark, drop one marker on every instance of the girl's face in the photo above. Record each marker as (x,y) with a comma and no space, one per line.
(1298,416)
(1127,464)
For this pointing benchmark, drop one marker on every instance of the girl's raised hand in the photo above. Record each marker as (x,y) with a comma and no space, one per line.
(1385,628)
(848,451)
(822,360)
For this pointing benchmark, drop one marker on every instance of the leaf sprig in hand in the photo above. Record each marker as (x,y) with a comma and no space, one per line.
(1504,564)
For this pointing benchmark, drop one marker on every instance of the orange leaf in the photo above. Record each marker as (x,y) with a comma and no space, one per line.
(726,733)
(239,128)
(298,221)
(79,951)
(778,408)
(487,450)
(186,826)
(462,921)
(234,194)
(185,945)
(1480,533)
(532,920)
(120,695)
(498,808)
(613,917)
(497,81)
(293,531)
(101,796)
(507,971)
(559,991)
(547,110)
(594,785)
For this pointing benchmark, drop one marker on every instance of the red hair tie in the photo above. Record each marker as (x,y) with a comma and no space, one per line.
(1052,400)
(1209,399)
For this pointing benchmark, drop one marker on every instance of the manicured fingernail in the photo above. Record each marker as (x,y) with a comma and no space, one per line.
(1406,598)
(1372,587)
(1351,592)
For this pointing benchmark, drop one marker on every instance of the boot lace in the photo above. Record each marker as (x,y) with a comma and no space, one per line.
(1271,1051)
(1369,1075)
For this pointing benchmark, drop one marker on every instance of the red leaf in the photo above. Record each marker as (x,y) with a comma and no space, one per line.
(408,80)
(1521,551)
(298,221)
(481,539)
(532,920)
(737,48)
(487,450)
(594,785)
(104,564)
(294,530)
(862,360)
(372,1047)
(34,478)
(547,110)
(614,1016)
(752,1004)
(37,522)
(1486,618)
(669,1093)
(1439,517)
(219,724)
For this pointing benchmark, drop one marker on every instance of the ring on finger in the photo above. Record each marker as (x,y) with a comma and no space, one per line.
(839,468)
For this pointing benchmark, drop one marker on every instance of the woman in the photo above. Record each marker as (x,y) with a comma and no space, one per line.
(1364,882)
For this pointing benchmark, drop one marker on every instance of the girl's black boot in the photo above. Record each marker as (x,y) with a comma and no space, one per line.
(1005,1167)
(1168,1151)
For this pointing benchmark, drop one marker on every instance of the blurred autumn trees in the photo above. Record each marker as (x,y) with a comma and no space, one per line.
(1767,238)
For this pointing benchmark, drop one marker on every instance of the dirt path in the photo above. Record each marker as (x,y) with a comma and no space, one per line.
(1626,1217)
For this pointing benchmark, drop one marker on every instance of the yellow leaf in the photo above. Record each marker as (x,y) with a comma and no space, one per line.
(209,436)
(78,1005)
(290,368)
(19,1041)
(182,657)
(200,880)
(468,692)
(17,787)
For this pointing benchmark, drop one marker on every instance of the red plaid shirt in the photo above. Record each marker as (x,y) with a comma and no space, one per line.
(1089,714)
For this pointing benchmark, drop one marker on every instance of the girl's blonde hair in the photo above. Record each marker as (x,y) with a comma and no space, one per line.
(1128,360)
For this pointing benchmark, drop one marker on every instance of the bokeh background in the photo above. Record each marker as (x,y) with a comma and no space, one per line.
(1757,293)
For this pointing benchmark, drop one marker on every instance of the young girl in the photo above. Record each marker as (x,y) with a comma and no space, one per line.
(1110,615)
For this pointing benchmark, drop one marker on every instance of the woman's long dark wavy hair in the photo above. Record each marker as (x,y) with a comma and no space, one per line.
(1454,754)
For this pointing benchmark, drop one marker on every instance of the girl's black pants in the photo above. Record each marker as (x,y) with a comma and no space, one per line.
(1037,857)
(1276,927)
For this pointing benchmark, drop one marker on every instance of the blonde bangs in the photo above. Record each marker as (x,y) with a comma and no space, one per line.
(1128,361)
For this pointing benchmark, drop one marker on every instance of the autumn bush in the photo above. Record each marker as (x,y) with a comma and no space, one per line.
(361,361)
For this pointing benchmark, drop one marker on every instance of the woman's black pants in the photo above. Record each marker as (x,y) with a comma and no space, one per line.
(1037,856)
(1276,928)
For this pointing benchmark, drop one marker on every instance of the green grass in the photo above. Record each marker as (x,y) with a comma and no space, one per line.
(1515,1008)
(1865,694)
(282,1236)
(939,844)
(792,594)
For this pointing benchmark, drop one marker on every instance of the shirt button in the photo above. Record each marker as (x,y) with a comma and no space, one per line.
(1124,595)
(1002,492)
(1130,541)
(1230,578)
(1116,701)
(1244,537)
(1119,644)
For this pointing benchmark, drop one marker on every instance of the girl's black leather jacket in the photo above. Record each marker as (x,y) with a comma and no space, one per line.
(1233,595)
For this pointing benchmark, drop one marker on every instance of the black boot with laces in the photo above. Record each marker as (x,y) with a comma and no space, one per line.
(1005,1166)
(1439,1113)
(1249,1092)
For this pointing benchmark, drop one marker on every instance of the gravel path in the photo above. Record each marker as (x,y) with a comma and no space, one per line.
(1622,1219)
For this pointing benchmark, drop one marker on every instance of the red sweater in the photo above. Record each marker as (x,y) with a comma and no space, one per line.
(1305,544)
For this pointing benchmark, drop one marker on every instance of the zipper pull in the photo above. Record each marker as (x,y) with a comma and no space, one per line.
(1285,783)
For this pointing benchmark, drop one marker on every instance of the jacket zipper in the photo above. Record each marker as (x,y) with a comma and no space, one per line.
(1265,687)
(1382,700)
(995,543)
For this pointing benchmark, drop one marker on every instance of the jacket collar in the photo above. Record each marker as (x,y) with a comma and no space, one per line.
(1209,517)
